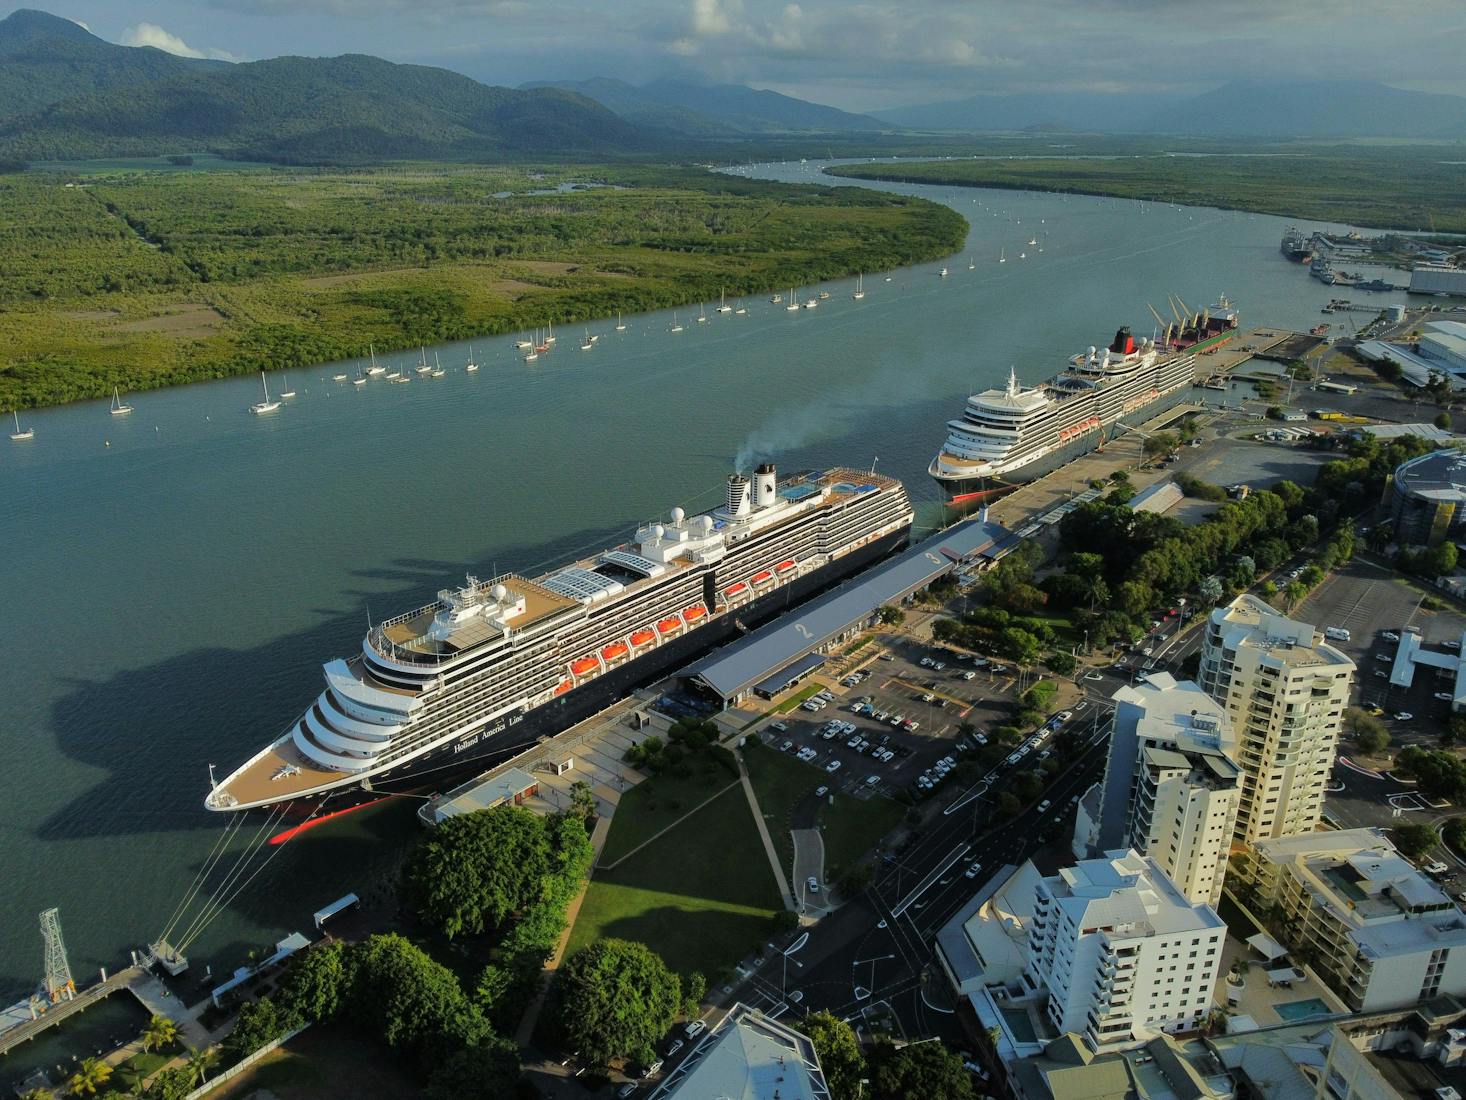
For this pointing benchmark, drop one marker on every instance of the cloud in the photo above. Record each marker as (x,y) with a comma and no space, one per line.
(150,34)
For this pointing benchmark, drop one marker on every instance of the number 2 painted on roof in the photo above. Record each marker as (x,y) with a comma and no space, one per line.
(803,631)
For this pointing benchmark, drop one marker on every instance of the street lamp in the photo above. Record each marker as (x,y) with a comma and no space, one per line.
(872,961)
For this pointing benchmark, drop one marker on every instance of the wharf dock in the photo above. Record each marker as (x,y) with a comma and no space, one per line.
(25,1030)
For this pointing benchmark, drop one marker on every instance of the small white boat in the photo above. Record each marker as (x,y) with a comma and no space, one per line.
(338,378)
(287,392)
(620,324)
(118,407)
(266,406)
(702,317)
(676,325)
(889,279)
(1033,240)
(943,273)
(793,302)
(531,355)
(401,379)
(859,288)
(1002,256)
(1023,255)
(21,434)
(811,303)
(374,369)
(523,345)
(824,295)
(550,336)
(971,264)
(422,364)
(359,380)
(392,376)
(741,310)
(589,343)
(470,366)
(438,370)
(723,306)
(777,298)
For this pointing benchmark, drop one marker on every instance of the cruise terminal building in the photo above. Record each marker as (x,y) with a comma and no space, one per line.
(779,655)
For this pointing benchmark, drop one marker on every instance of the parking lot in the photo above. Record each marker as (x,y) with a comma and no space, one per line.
(1375,606)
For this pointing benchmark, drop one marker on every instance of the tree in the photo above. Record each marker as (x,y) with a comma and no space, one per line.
(200,1065)
(258,1023)
(91,1074)
(475,869)
(890,616)
(174,1083)
(694,989)
(582,801)
(1061,663)
(1020,645)
(1437,774)
(1414,840)
(839,1053)
(926,1069)
(1369,733)
(410,1001)
(1210,590)
(312,988)
(615,998)
(1443,420)
(1160,443)
(486,1071)
(161,1032)
(1039,696)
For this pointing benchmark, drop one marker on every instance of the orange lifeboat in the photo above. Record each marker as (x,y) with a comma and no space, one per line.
(614,650)
(666,626)
(785,565)
(763,577)
(693,613)
(563,686)
(734,589)
(642,637)
(581,665)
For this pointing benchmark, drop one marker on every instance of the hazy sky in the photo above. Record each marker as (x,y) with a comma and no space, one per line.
(853,54)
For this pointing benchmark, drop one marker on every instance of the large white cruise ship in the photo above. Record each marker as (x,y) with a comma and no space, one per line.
(1011,435)
(492,666)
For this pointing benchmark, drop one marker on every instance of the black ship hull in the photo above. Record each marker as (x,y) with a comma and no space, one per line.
(507,737)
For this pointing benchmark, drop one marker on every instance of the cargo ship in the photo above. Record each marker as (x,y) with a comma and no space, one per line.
(491,667)
(1296,246)
(1014,434)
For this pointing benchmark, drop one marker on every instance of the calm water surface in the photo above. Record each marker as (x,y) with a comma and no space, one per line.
(170,582)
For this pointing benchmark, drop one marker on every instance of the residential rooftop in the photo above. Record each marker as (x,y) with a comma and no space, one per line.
(1128,895)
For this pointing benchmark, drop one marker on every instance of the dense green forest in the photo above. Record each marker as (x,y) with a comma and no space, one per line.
(1384,186)
(150,279)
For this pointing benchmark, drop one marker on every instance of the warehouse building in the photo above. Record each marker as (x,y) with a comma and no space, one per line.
(1426,496)
(779,655)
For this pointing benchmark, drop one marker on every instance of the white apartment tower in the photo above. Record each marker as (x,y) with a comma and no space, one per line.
(1121,952)
(1171,785)
(1284,691)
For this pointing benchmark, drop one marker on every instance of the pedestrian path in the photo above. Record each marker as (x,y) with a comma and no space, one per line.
(763,831)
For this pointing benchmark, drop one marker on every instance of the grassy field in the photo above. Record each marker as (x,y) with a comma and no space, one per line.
(851,828)
(781,783)
(655,803)
(701,897)
(1400,187)
(322,1063)
(144,279)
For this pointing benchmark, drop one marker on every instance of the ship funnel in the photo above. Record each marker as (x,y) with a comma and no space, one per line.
(1124,343)
(765,485)
(738,502)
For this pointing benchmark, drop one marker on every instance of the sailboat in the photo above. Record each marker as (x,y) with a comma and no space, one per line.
(676,325)
(589,343)
(1033,240)
(859,287)
(533,351)
(793,301)
(550,336)
(118,408)
(287,393)
(470,366)
(438,370)
(338,378)
(723,306)
(942,274)
(265,406)
(374,369)
(1023,255)
(702,317)
(20,433)
(971,264)
(742,309)
(620,324)
(1002,255)
(422,364)
(360,379)
(523,344)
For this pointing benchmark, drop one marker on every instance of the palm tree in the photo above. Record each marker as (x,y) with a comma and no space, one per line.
(161,1032)
(89,1076)
(201,1064)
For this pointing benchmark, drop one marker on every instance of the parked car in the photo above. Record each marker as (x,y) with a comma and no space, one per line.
(1403,716)
(832,767)
(694,1029)
(820,792)
(1093,676)
(1444,696)
(1063,716)
(1390,636)
(1044,805)
(812,884)
(626,1090)
(969,675)
(674,1046)
(786,746)
(781,727)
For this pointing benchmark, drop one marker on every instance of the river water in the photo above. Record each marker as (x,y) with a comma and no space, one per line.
(171,581)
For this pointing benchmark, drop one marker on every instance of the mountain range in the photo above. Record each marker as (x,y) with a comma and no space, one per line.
(1240,108)
(65,93)
(714,110)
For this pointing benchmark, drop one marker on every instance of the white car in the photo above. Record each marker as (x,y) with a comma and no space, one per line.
(820,792)
(872,780)
(969,675)
(1444,696)
(1064,716)
(972,871)
(1093,676)
(1390,636)
(1403,716)
(812,884)
(832,767)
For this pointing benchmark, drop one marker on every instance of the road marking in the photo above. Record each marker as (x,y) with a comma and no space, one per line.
(925,884)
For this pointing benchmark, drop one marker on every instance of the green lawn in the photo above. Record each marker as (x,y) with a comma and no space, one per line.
(655,803)
(780,782)
(852,827)
(701,897)
(325,1062)
(130,1073)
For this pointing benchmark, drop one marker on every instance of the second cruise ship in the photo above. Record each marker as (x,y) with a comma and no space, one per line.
(1015,434)
(494,665)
